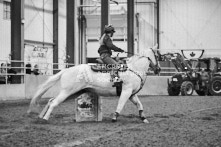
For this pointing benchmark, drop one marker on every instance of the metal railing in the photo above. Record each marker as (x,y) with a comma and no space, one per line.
(16,70)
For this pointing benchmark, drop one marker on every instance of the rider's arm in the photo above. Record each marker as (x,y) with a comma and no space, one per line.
(110,45)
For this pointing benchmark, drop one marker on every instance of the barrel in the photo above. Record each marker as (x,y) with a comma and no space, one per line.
(88,107)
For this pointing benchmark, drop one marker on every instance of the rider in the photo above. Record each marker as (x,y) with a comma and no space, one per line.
(105,52)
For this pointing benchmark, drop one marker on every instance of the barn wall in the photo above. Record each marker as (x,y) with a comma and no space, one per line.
(5,35)
(147,28)
(190,24)
(38,28)
(39,20)
(184,24)
(62,32)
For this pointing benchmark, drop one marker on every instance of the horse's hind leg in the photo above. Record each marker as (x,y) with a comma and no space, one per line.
(52,103)
(135,100)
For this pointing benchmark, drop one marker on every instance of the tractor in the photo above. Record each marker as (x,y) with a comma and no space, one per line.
(202,75)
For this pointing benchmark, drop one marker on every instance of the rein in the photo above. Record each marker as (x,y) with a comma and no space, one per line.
(140,55)
(132,53)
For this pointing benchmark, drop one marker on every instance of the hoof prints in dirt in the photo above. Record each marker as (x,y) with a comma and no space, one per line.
(61,115)
(40,121)
(209,117)
(216,115)
(134,129)
(31,136)
(176,115)
(4,127)
(2,120)
(31,115)
(160,116)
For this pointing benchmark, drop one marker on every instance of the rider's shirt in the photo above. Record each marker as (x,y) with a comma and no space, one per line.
(106,45)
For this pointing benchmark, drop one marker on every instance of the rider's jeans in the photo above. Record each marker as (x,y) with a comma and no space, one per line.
(106,58)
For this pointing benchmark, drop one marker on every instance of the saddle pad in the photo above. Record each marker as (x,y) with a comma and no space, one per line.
(106,68)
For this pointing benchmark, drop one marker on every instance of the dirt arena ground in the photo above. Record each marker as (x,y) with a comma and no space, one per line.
(174,121)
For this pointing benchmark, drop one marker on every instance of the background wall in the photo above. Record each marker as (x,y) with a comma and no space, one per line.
(39,20)
(146,18)
(184,24)
(190,24)
(5,34)
(38,34)
(62,32)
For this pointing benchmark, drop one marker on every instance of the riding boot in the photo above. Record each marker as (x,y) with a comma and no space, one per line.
(116,79)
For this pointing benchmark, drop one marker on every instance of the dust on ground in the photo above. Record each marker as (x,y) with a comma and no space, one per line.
(174,121)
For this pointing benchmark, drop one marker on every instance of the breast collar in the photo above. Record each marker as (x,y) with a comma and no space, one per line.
(142,81)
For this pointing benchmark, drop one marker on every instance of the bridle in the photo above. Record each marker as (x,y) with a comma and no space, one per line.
(156,68)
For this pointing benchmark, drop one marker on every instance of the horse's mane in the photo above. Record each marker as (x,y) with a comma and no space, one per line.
(146,53)
(132,59)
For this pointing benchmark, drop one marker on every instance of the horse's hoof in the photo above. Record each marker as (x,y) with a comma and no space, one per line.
(41,121)
(32,114)
(146,121)
(30,111)
(33,110)
(114,120)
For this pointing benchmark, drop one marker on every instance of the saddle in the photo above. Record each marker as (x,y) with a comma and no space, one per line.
(105,68)
(102,67)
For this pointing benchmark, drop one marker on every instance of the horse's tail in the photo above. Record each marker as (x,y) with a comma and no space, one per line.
(43,89)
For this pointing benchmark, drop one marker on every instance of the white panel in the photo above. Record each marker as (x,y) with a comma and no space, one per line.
(48,21)
(190,24)
(33,20)
(146,26)
(39,20)
(5,35)
(62,32)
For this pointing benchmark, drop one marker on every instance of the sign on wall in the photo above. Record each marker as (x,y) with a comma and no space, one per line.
(41,56)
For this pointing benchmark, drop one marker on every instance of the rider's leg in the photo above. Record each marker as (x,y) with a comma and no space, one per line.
(106,58)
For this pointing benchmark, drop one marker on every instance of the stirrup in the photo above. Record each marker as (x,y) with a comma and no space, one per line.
(116,79)
(117,82)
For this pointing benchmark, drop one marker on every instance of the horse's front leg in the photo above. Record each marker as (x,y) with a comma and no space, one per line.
(135,100)
(125,94)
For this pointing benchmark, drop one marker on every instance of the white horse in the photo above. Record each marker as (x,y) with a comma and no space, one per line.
(77,78)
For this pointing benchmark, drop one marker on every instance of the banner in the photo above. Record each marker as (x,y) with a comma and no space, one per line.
(41,56)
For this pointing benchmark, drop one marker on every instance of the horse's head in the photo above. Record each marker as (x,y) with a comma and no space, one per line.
(154,60)
(152,57)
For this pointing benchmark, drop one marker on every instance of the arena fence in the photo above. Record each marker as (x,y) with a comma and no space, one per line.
(13,71)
